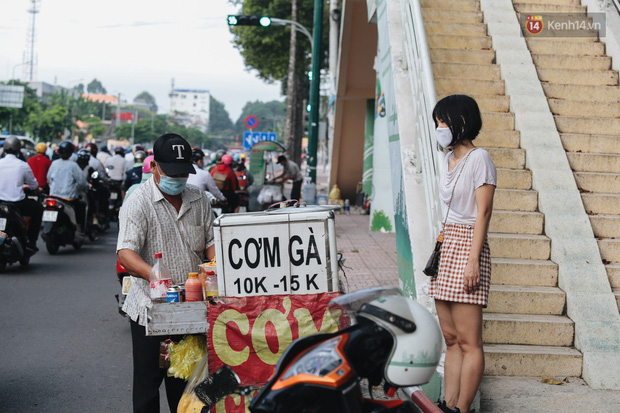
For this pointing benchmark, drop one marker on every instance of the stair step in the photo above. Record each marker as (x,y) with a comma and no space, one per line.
(574,142)
(582,92)
(465,29)
(613,272)
(536,361)
(521,7)
(616,292)
(449,41)
(575,2)
(515,199)
(601,203)
(514,178)
(499,138)
(610,250)
(451,16)
(498,120)
(519,246)
(595,126)
(568,47)
(605,226)
(560,61)
(511,271)
(587,108)
(454,85)
(510,158)
(594,162)
(537,330)
(512,299)
(465,5)
(598,182)
(517,222)
(579,76)
(466,71)
(479,57)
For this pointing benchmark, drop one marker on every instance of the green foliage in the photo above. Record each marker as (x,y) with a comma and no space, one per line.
(146,131)
(47,123)
(95,86)
(17,117)
(271,116)
(148,98)
(219,119)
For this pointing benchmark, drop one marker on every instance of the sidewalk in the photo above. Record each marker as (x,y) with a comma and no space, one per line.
(371,262)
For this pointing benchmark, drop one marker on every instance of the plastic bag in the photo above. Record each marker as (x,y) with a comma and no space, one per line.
(270,194)
(190,403)
(185,355)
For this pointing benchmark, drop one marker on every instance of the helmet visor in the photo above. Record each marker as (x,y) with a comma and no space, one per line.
(344,309)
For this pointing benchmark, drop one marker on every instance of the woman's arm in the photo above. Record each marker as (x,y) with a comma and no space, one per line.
(484,201)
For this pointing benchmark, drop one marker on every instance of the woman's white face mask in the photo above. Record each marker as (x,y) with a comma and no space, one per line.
(444,137)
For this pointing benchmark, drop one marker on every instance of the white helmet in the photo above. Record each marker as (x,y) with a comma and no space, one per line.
(417,339)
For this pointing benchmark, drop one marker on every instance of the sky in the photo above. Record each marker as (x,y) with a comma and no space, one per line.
(132,46)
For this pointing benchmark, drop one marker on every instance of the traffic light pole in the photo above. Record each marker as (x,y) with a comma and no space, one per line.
(313,129)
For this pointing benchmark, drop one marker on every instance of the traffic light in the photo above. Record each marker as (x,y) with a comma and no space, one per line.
(248,20)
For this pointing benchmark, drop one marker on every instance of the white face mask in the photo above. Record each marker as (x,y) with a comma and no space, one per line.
(444,137)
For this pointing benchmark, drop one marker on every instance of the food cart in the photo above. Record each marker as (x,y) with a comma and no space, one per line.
(276,271)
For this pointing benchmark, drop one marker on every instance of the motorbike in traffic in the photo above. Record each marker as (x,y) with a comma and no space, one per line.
(14,247)
(60,225)
(96,223)
(116,199)
(384,339)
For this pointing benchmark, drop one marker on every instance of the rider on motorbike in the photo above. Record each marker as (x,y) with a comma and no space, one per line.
(65,178)
(134,175)
(103,194)
(203,179)
(15,175)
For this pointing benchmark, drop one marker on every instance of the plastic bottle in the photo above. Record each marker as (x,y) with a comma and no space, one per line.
(159,280)
(193,288)
(347,206)
(211,287)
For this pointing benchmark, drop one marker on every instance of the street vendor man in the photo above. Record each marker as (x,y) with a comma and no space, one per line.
(163,215)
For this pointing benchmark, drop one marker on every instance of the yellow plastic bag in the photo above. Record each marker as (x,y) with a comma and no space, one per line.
(190,403)
(185,355)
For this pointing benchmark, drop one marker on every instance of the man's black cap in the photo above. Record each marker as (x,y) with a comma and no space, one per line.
(281,159)
(173,154)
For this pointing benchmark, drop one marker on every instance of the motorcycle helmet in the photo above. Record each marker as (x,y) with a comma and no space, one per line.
(40,148)
(83,154)
(227,159)
(119,150)
(139,157)
(12,145)
(219,155)
(197,155)
(417,339)
(65,148)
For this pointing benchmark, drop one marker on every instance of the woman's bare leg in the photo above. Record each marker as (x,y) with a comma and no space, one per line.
(468,322)
(454,355)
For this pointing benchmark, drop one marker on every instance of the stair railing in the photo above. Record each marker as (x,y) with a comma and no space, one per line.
(428,155)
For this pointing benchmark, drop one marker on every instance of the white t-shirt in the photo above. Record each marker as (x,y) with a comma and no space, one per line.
(478,171)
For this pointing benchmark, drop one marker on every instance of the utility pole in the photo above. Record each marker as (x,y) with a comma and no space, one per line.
(31,41)
(313,128)
(118,111)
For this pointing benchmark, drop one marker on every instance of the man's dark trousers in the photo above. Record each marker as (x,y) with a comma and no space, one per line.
(147,376)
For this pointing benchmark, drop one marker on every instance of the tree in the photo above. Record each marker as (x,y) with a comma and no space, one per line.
(95,86)
(270,116)
(15,117)
(47,124)
(268,51)
(147,98)
(219,119)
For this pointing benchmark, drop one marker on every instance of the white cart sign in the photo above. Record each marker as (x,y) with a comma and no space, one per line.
(290,251)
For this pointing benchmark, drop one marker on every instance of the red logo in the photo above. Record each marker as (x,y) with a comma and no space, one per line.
(534,24)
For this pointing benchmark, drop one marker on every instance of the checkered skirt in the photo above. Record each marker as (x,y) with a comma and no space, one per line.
(448,284)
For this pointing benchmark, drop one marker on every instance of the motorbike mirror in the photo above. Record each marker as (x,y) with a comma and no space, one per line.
(95,175)
(224,381)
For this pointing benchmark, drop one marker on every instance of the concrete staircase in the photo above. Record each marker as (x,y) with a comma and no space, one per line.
(526,331)
(584,97)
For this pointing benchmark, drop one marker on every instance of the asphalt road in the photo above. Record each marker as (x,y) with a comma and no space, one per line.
(64,346)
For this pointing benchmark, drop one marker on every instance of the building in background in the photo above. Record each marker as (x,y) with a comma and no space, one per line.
(190,107)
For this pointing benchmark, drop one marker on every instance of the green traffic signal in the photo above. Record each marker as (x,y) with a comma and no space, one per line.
(248,20)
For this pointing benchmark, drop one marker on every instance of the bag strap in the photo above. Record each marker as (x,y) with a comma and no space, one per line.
(456,182)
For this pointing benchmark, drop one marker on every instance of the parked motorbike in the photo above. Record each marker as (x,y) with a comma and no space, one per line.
(384,338)
(59,225)
(116,199)
(14,247)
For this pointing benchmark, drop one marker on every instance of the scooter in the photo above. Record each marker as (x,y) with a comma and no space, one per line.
(14,247)
(59,225)
(95,222)
(384,338)
(116,199)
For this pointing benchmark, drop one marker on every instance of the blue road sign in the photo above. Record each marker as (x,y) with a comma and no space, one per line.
(250,138)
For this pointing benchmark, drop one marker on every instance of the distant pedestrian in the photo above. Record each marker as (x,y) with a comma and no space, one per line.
(292,172)
(461,287)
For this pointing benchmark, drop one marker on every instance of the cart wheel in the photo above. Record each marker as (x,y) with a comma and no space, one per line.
(51,245)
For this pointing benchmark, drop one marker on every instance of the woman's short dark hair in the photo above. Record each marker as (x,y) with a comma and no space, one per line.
(461,114)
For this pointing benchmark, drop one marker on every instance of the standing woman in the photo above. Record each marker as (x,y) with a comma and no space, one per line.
(461,287)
